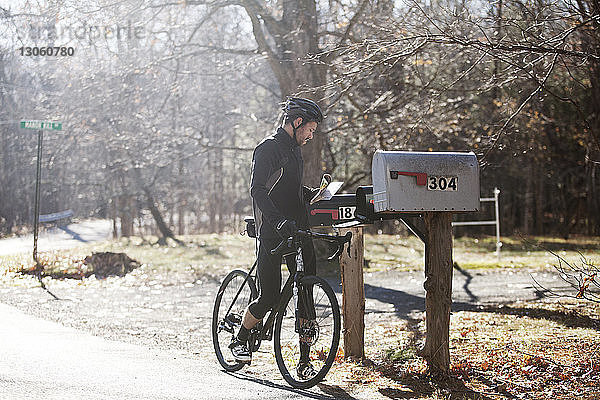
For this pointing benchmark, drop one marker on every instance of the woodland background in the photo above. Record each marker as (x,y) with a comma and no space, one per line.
(164,101)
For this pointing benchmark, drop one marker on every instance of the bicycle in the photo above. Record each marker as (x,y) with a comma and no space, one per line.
(319,326)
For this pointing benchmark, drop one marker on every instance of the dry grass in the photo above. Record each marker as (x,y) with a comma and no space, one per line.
(406,252)
(204,254)
(213,254)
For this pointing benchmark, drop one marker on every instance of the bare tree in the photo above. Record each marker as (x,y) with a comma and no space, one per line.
(185,102)
(511,83)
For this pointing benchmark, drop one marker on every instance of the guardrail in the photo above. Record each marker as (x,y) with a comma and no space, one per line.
(56,216)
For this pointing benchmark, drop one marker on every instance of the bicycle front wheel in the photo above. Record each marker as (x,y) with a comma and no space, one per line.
(228,312)
(320,334)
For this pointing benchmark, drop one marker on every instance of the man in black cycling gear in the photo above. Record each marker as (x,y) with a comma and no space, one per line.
(279,201)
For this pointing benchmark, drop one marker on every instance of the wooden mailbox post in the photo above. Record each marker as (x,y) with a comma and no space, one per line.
(435,229)
(438,284)
(353,295)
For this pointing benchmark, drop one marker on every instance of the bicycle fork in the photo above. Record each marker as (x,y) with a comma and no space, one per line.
(302,297)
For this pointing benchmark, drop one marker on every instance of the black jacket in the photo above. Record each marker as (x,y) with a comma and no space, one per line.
(276,184)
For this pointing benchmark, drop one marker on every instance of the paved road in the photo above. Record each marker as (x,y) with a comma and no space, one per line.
(45,360)
(63,237)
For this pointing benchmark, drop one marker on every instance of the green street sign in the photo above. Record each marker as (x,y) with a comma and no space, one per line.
(42,125)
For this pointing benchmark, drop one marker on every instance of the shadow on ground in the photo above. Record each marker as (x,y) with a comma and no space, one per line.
(405,304)
(73,234)
(570,319)
(330,391)
(419,385)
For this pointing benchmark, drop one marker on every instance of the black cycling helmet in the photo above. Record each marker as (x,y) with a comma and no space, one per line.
(307,109)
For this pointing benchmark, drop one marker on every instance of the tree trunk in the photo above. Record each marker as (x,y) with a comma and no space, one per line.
(126,215)
(296,39)
(539,198)
(593,159)
(438,284)
(591,42)
(164,230)
(528,203)
(220,192)
(181,219)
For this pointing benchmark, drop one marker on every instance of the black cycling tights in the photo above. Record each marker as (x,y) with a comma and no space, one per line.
(269,273)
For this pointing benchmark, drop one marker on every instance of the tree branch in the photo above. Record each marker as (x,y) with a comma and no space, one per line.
(217,49)
(262,85)
(261,40)
(275,27)
(509,120)
(353,21)
(215,6)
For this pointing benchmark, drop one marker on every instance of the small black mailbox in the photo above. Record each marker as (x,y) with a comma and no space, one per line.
(346,208)
(341,208)
(365,211)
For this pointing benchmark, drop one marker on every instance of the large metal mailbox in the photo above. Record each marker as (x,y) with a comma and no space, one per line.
(406,181)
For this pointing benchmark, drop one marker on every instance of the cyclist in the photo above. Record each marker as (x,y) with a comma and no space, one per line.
(279,201)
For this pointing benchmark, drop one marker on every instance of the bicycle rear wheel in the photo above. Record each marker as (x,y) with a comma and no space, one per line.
(322,334)
(226,324)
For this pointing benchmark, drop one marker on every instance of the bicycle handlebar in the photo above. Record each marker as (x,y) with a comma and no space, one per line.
(340,240)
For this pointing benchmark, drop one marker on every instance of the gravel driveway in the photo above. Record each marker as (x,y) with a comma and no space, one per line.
(173,310)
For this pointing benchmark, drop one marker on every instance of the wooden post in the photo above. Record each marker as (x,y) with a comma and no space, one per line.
(438,284)
(353,295)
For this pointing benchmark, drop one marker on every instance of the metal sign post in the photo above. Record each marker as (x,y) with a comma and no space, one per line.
(40,126)
(37,195)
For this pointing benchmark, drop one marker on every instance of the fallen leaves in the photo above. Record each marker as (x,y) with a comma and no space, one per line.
(533,351)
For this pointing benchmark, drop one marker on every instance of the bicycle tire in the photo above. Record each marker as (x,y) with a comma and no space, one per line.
(224,327)
(326,339)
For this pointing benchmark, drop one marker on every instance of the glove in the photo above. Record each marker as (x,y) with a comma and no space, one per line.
(286,228)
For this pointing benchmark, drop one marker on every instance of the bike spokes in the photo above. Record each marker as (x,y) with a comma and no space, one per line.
(226,324)
(314,340)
